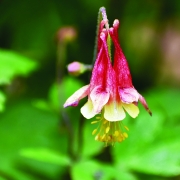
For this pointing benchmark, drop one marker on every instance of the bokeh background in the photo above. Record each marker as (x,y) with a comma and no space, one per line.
(41,140)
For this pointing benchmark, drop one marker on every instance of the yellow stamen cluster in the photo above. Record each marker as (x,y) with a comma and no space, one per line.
(109,132)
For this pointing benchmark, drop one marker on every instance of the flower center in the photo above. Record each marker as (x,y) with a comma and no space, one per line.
(109,132)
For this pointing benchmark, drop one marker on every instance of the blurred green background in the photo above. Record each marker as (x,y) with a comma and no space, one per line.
(41,140)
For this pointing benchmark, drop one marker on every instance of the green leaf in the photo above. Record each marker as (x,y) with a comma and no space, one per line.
(165,99)
(46,155)
(91,170)
(160,159)
(41,104)
(153,143)
(13,64)
(127,175)
(23,127)
(2,101)
(1,178)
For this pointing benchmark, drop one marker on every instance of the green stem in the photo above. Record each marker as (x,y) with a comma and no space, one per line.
(80,136)
(61,59)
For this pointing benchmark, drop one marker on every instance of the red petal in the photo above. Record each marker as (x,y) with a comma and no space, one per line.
(143,101)
(103,73)
(120,63)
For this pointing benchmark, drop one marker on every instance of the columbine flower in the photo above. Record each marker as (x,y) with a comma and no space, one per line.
(110,92)
(102,95)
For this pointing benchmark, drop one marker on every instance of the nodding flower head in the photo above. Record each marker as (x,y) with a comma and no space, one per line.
(110,92)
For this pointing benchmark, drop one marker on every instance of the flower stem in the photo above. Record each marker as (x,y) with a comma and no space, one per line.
(80,136)
(60,64)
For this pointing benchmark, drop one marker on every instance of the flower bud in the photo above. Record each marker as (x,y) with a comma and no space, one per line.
(66,34)
(76,68)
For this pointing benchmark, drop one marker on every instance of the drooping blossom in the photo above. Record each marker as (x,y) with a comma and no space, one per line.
(110,93)
(126,96)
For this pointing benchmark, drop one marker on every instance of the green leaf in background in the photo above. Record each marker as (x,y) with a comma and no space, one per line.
(166,99)
(46,155)
(2,101)
(160,159)
(41,104)
(1,178)
(90,170)
(121,174)
(153,143)
(24,128)
(13,64)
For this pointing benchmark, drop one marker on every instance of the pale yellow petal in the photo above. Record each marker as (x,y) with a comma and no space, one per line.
(131,109)
(87,110)
(99,98)
(113,111)
(73,100)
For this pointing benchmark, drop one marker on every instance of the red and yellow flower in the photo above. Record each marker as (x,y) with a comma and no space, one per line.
(110,93)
